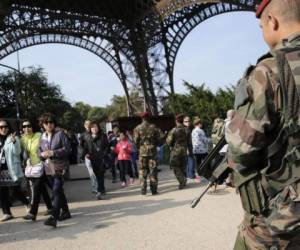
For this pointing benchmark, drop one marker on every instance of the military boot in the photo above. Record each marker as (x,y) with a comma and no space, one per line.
(144,191)
(144,188)
(181,185)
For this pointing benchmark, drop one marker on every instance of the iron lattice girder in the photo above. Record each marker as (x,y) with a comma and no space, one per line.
(168,7)
(126,10)
(139,39)
(180,24)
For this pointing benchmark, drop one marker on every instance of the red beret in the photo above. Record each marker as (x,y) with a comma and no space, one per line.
(261,7)
(145,115)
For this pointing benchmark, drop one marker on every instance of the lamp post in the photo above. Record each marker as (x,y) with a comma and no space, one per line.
(16,92)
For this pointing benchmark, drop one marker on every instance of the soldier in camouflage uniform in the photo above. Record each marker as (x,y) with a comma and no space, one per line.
(147,137)
(178,141)
(264,135)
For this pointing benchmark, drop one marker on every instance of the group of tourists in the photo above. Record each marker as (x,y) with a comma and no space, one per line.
(44,158)
(190,145)
(262,154)
(40,157)
(114,151)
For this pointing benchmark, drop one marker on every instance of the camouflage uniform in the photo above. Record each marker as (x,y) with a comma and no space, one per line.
(255,124)
(147,137)
(218,130)
(178,141)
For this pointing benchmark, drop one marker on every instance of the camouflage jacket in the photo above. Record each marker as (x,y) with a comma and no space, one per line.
(257,117)
(147,137)
(178,140)
(218,130)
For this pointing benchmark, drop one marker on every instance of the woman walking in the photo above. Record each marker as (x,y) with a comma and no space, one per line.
(124,150)
(11,172)
(34,170)
(200,144)
(54,150)
(96,147)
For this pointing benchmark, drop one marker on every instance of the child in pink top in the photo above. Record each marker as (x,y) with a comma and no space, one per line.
(124,150)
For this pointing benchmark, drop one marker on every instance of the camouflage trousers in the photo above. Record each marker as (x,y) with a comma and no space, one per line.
(255,235)
(178,164)
(148,167)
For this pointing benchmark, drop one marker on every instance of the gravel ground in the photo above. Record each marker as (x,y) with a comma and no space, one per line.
(127,220)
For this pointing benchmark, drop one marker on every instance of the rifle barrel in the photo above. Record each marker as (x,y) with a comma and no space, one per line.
(195,202)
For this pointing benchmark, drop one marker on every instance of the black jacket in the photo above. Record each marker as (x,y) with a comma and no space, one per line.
(97,148)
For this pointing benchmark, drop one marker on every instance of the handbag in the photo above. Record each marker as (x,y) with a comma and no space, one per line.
(49,168)
(5,178)
(35,171)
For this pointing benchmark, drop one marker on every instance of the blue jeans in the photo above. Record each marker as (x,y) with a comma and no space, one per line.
(59,200)
(190,168)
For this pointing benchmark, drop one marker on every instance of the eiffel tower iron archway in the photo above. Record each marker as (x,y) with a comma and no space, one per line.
(138,39)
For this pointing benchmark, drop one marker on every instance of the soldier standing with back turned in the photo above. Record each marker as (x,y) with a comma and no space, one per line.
(147,137)
(178,142)
(264,135)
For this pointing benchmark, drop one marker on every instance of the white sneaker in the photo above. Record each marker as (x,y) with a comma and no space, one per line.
(98,196)
(6,217)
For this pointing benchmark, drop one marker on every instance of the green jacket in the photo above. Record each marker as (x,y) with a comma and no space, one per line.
(29,144)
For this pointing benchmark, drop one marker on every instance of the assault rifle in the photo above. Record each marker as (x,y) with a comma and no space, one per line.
(213,168)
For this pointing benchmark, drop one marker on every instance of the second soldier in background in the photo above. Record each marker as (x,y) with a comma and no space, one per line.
(178,141)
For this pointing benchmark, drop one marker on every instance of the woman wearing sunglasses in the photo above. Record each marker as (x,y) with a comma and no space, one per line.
(54,150)
(11,171)
(34,170)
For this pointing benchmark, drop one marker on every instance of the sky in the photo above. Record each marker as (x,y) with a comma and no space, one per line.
(216,53)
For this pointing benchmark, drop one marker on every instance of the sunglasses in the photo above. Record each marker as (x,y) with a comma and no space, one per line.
(26,126)
(3,127)
(186,121)
(48,122)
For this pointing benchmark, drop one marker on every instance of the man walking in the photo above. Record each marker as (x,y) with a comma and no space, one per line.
(147,137)
(178,142)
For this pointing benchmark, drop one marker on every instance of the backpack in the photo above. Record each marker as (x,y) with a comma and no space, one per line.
(218,130)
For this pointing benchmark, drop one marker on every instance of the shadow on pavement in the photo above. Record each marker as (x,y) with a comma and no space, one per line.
(85,219)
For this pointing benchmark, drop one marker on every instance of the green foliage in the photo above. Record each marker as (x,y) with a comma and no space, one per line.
(202,102)
(35,95)
(118,107)
(83,109)
(73,120)
(97,114)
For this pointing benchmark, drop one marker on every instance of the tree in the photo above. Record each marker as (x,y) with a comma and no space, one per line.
(35,95)
(73,120)
(83,109)
(118,107)
(202,102)
(97,114)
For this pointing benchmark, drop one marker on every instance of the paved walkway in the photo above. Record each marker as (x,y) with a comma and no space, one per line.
(127,220)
